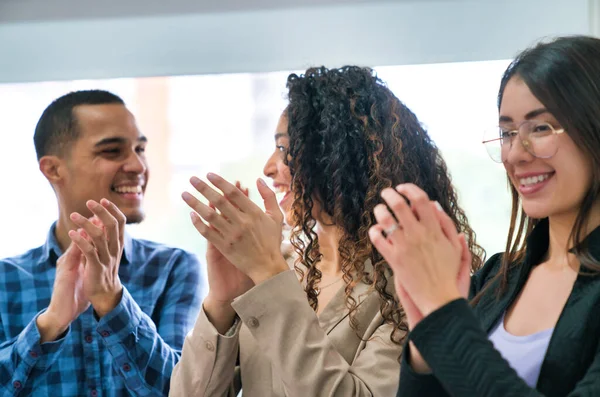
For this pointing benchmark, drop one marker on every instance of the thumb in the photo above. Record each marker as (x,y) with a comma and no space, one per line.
(270,200)
(465,254)
(464,272)
(71,257)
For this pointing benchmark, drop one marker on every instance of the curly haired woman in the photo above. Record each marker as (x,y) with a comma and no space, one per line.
(343,138)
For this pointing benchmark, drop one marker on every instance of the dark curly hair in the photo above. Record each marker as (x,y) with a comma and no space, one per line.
(350,138)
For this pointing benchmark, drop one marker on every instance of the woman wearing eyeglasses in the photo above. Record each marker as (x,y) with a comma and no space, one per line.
(533,325)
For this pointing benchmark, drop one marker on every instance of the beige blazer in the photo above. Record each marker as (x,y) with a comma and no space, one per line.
(285,350)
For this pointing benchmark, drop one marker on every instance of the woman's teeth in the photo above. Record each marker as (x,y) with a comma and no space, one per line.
(282,189)
(532,180)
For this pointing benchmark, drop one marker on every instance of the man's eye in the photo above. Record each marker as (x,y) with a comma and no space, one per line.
(111,151)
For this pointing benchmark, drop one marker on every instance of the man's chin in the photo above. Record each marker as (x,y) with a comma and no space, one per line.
(134,218)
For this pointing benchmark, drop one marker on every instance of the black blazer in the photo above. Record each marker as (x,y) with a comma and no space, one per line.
(454,339)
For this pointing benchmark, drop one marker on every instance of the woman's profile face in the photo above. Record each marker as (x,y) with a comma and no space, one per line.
(277,170)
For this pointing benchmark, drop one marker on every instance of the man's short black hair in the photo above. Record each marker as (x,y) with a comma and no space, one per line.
(57,128)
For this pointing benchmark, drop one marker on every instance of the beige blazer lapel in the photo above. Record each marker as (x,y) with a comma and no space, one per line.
(336,311)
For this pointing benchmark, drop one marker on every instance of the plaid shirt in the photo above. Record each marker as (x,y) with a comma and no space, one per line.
(130,351)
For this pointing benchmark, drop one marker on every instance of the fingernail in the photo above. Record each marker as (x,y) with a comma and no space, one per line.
(75,216)
(194,180)
(210,175)
(105,202)
(185,195)
(92,204)
(438,206)
(260,180)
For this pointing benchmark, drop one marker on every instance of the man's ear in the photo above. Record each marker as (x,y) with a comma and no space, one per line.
(53,169)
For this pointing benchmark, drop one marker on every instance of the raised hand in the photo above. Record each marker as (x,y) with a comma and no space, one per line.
(102,251)
(247,236)
(68,299)
(424,251)
(226,282)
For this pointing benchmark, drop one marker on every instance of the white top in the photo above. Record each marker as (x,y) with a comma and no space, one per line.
(525,354)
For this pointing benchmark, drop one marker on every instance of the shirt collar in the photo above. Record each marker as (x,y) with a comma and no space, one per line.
(127,249)
(51,250)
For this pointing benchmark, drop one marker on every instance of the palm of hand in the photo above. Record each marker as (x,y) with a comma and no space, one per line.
(463,279)
(244,241)
(89,281)
(422,283)
(80,297)
(99,278)
(256,241)
(226,281)
(70,292)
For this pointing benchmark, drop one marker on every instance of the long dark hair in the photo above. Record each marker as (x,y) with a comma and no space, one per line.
(564,75)
(350,138)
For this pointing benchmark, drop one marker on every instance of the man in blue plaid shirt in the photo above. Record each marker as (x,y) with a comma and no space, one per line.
(94,312)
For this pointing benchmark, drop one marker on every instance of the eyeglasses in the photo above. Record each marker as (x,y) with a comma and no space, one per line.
(537,137)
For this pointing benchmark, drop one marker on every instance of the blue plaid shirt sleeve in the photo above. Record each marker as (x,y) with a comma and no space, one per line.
(24,352)
(145,352)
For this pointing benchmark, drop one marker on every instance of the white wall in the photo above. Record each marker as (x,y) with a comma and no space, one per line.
(376,33)
(44,10)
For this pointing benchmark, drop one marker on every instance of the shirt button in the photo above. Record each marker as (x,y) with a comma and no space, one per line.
(17,384)
(105,333)
(209,346)
(253,322)
(89,339)
(33,354)
(94,393)
(126,367)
